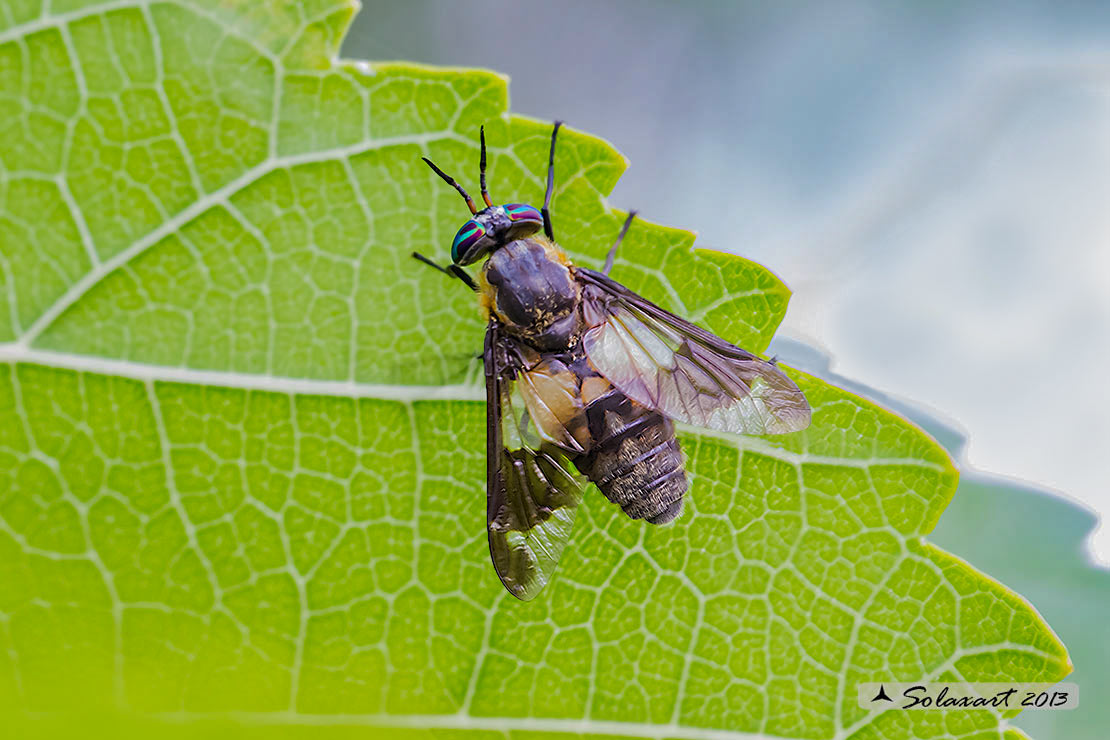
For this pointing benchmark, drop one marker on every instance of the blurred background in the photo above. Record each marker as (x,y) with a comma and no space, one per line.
(931,180)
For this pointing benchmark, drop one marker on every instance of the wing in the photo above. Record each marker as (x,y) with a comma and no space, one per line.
(532,490)
(680,369)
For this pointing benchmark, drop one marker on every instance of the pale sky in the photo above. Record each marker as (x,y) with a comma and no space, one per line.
(975,277)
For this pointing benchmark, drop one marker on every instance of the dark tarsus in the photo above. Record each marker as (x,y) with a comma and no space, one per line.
(451,270)
(612,255)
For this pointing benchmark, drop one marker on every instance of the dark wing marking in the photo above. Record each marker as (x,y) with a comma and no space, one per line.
(532,490)
(682,370)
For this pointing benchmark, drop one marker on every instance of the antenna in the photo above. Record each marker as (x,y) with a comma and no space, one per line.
(451,181)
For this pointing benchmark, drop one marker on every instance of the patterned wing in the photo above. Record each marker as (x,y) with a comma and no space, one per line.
(532,490)
(680,369)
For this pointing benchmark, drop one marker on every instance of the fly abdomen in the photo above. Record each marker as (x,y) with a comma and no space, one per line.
(634,460)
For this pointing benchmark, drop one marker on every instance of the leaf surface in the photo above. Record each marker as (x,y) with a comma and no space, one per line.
(241,437)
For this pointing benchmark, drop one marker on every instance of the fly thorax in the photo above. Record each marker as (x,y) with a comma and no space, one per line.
(528,287)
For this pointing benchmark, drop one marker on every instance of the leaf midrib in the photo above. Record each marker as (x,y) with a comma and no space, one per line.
(15,352)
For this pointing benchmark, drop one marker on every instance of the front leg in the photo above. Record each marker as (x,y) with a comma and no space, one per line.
(546,211)
(451,271)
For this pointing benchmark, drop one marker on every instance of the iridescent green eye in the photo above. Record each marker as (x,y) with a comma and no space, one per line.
(465,240)
(523,212)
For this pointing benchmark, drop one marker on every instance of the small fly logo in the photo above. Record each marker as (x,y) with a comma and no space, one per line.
(881,696)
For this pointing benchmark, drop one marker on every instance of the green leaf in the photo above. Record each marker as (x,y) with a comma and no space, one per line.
(1035,540)
(241,441)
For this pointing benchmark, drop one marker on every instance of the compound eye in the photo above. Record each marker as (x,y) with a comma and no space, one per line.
(523,212)
(470,234)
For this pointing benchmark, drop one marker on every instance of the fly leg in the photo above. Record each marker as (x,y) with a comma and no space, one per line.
(613,249)
(451,271)
(547,230)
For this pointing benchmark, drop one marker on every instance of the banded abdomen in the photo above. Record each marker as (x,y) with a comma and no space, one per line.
(627,449)
(634,458)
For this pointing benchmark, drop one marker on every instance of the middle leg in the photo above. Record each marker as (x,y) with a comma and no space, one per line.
(613,249)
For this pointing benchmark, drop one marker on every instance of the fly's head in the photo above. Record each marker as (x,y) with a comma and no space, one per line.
(492,228)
